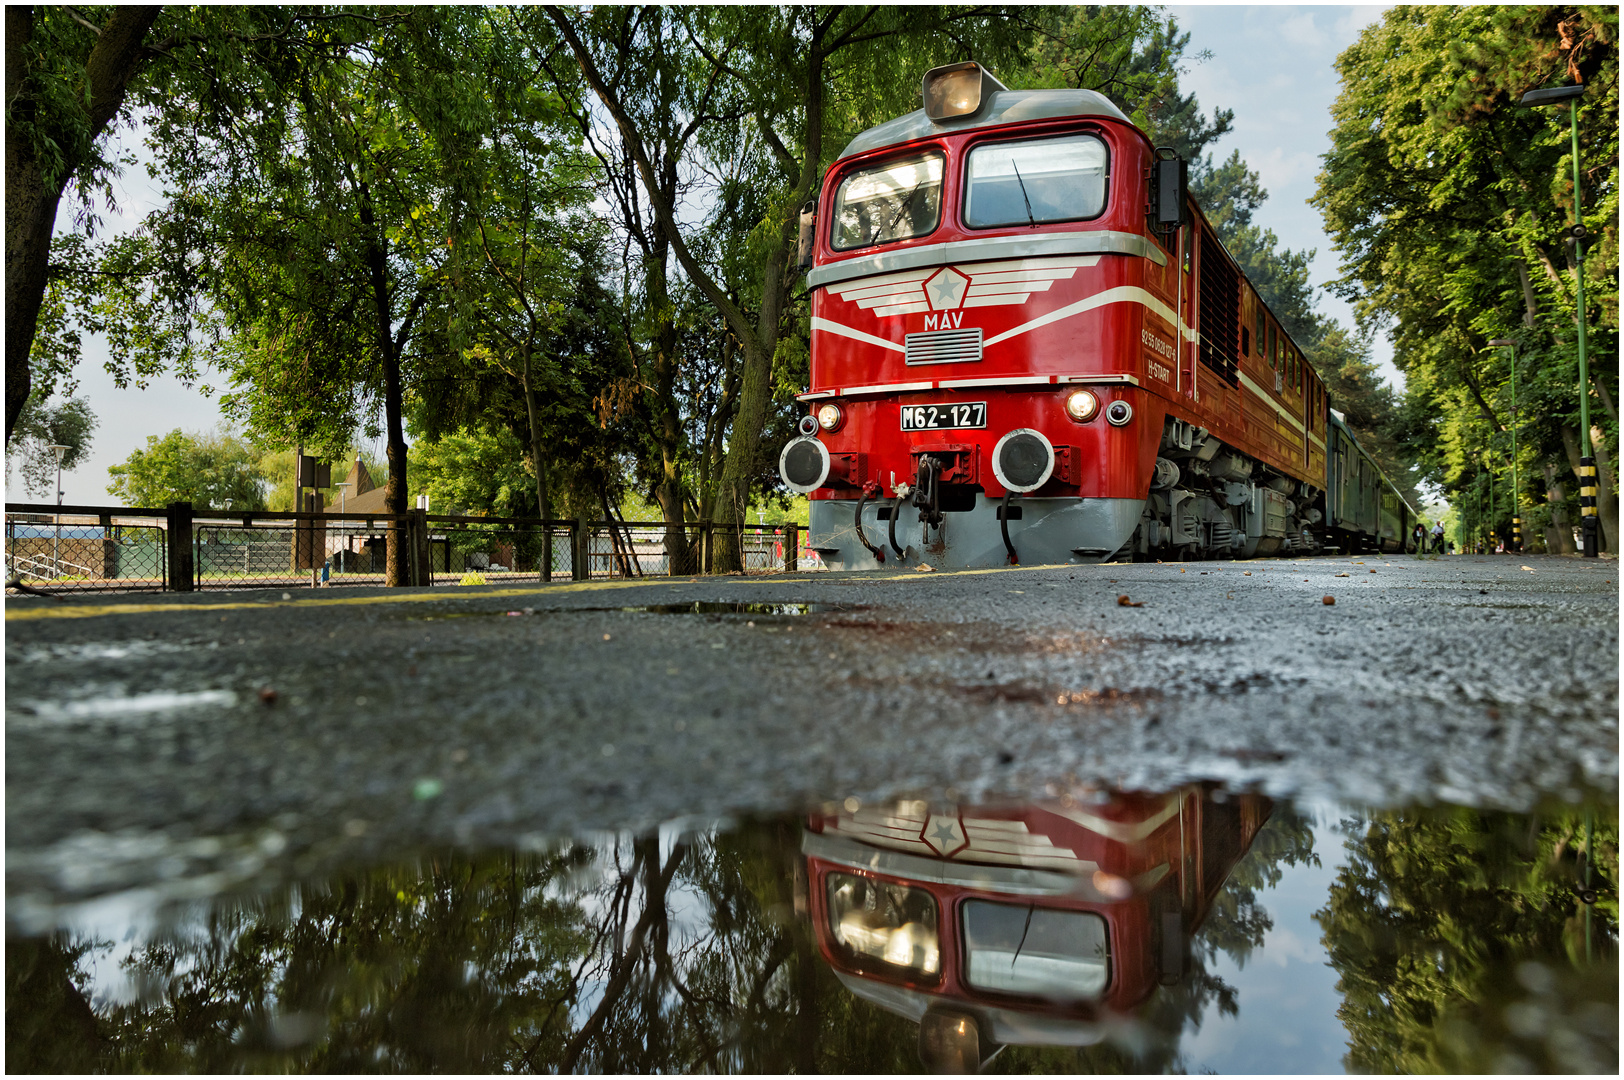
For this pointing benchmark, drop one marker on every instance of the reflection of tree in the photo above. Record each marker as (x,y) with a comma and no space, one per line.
(50,1027)
(1460,943)
(635,955)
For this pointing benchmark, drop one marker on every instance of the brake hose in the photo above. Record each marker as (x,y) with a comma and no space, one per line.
(1003,527)
(868,491)
(896,509)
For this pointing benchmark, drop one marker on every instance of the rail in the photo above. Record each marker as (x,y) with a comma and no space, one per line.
(82,548)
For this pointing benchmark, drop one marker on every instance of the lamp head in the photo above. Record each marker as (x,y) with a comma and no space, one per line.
(58,449)
(958,91)
(1503,341)
(1552,95)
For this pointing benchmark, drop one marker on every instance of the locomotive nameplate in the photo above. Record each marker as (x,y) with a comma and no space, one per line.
(940,417)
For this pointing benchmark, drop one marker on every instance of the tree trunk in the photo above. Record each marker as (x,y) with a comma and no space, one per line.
(1606,398)
(668,417)
(1530,304)
(1606,490)
(1559,535)
(31,196)
(398,566)
(544,505)
(743,451)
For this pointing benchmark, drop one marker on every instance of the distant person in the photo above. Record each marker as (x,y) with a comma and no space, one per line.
(1438,537)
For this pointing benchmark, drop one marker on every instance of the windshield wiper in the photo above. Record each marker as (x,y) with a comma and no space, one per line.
(905,204)
(1024,930)
(1029,219)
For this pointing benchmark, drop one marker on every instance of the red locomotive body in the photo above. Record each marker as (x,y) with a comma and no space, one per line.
(1030,924)
(1024,330)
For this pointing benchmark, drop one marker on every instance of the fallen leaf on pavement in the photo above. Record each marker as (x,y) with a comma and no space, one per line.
(1328,601)
(1123,601)
(1342,575)
(1530,569)
(925,568)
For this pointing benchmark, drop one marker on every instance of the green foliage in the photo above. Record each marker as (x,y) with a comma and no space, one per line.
(475,472)
(1446,924)
(68,423)
(1448,204)
(205,470)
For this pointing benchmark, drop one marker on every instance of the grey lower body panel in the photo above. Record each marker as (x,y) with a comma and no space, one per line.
(1049,531)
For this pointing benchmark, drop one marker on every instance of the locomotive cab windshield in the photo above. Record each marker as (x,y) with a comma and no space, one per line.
(1035,181)
(893,201)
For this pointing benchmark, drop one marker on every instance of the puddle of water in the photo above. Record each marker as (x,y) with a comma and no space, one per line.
(1191,930)
(118,706)
(697,607)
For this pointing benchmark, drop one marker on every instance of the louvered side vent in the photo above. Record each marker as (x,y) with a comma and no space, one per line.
(944,346)
(1220,309)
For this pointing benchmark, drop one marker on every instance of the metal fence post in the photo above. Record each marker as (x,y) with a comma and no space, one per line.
(580,547)
(792,547)
(707,543)
(109,547)
(546,552)
(178,541)
(417,537)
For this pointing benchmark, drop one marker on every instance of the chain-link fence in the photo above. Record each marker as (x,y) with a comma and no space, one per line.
(71,549)
(78,551)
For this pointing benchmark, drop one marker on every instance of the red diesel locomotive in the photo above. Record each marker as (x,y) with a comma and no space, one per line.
(1029,345)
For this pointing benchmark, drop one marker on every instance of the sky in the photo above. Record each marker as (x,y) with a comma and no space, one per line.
(1271,65)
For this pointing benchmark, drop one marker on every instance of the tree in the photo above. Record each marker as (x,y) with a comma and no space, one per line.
(205,470)
(66,79)
(1136,57)
(1434,923)
(316,233)
(69,423)
(1449,204)
(70,73)
(475,472)
(766,89)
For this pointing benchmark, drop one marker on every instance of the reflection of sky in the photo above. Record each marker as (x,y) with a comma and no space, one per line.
(1286,992)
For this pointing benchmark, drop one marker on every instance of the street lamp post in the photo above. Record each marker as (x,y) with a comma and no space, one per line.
(56,544)
(343,491)
(1516,492)
(1587,462)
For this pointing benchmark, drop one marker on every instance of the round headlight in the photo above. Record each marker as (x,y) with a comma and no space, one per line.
(808,425)
(1082,405)
(804,465)
(1023,460)
(1119,413)
(830,416)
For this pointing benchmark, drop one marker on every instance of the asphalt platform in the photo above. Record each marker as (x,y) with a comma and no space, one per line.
(184,744)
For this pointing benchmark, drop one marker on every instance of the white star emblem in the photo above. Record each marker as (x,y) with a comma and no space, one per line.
(947,288)
(944,835)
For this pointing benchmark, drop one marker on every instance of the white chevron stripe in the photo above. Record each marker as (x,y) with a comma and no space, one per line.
(829,327)
(1124,294)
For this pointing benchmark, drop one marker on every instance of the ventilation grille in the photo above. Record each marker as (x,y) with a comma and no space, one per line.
(1220,309)
(944,346)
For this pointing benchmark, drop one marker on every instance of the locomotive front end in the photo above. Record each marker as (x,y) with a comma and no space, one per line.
(980,328)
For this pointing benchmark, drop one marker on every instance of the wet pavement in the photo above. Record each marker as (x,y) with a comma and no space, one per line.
(604,826)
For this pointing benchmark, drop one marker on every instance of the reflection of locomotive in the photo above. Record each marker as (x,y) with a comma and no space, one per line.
(1024,925)
(1027,339)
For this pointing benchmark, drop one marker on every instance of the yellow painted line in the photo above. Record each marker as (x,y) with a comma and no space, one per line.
(32,612)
